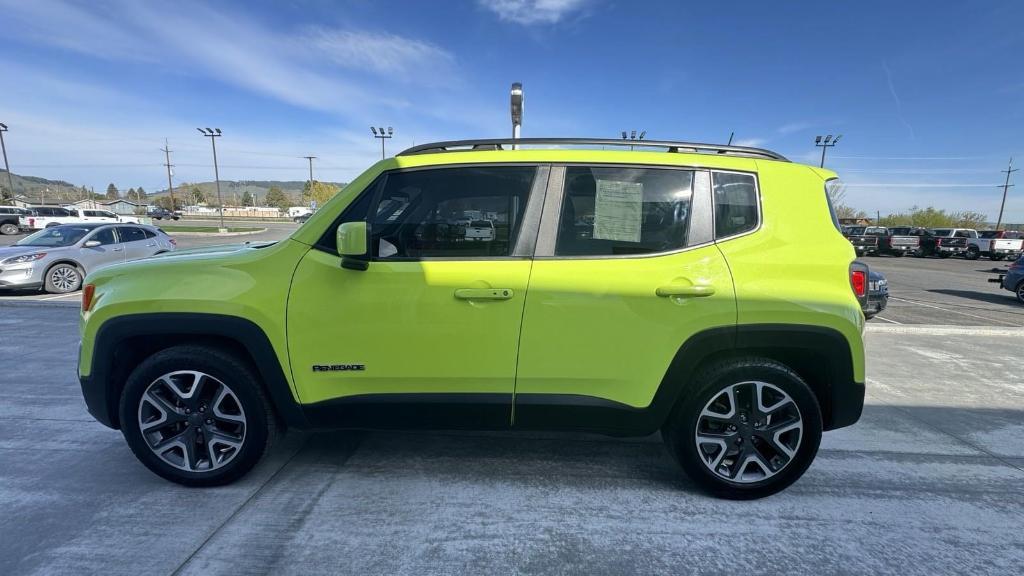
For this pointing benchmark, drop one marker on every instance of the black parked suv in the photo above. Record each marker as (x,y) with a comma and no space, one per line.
(161,213)
(9,219)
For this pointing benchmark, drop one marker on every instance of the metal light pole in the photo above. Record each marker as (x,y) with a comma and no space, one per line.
(213,135)
(1006,186)
(516,107)
(10,181)
(825,144)
(632,135)
(379,133)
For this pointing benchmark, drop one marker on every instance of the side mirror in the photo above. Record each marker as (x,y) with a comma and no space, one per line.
(91,243)
(351,244)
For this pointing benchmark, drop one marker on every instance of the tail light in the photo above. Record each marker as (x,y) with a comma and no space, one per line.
(87,294)
(173,241)
(859,281)
(31,222)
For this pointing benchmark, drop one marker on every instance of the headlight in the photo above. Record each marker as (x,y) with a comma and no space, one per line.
(24,258)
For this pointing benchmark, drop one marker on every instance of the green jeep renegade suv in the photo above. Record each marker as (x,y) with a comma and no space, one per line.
(702,291)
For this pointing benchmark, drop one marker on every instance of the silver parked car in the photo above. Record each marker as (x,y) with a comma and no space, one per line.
(58,258)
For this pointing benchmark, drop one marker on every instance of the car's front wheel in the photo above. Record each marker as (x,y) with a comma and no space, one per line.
(196,415)
(750,428)
(63,278)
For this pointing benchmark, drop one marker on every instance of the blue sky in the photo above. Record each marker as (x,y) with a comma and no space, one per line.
(927,95)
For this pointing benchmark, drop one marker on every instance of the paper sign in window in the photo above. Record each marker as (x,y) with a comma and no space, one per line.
(618,207)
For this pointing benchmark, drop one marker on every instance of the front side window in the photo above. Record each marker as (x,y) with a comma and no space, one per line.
(450,212)
(623,211)
(105,236)
(735,203)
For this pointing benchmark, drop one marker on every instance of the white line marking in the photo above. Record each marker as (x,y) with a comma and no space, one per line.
(76,294)
(944,330)
(887,320)
(986,318)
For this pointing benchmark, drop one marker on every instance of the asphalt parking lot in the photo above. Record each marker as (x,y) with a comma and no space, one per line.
(928,482)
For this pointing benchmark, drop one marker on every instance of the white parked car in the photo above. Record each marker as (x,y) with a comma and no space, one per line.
(40,217)
(480,231)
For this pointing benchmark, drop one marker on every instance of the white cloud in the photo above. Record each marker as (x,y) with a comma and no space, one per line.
(793,127)
(528,12)
(749,142)
(382,53)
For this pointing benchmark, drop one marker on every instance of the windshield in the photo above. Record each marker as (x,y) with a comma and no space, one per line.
(855,230)
(54,237)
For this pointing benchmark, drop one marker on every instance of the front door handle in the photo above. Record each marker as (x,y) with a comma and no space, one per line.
(685,291)
(483,294)
(117,249)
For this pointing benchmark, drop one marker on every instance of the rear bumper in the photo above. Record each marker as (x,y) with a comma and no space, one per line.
(847,404)
(95,394)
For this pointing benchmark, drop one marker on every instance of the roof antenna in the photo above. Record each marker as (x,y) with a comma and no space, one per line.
(731,134)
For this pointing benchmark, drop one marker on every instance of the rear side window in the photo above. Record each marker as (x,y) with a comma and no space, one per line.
(735,203)
(130,234)
(149,233)
(624,211)
(450,212)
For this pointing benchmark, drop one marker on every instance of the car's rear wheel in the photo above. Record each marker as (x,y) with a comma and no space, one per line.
(1020,292)
(8,229)
(750,429)
(196,415)
(63,278)
(997,257)
(972,253)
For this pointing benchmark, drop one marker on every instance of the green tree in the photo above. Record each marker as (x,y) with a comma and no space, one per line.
(320,192)
(970,219)
(277,198)
(246,198)
(130,195)
(112,192)
(140,194)
(196,195)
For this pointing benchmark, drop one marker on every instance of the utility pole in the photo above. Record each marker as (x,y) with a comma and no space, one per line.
(382,136)
(167,162)
(1006,186)
(825,144)
(213,135)
(310,158)
(10,181)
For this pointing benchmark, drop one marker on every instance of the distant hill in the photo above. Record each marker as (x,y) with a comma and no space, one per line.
(34,187)
(38,190)
(232,190)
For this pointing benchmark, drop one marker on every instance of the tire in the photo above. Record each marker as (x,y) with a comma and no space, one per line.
(241,420)
(63,278)
(9,229)
(746,375)
(944,254)
(1020,292)
(997,257)
(898,254)
(919,253)
(972,253)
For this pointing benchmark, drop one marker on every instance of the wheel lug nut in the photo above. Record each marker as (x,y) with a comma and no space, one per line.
(209,421)
(188,410)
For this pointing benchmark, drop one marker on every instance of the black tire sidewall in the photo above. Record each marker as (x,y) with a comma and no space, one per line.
(682,429)
(236,375)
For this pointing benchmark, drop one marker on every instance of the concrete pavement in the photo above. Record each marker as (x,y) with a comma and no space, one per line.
(928,482)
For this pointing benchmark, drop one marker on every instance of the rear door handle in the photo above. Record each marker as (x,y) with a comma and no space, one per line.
(483,294)
(685,291)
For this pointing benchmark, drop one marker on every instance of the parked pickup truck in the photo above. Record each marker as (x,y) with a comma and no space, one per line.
(881,240)
(944,242)
(39,217)
(996,244)
(9,216)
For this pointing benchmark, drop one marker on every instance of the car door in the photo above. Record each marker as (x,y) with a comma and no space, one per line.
(625,272)
(109,251)
(135,243)
(434,318)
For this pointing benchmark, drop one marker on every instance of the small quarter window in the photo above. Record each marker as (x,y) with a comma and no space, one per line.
(735,203)
(623,211)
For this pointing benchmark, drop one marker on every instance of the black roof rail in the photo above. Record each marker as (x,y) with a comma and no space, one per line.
(669,145)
